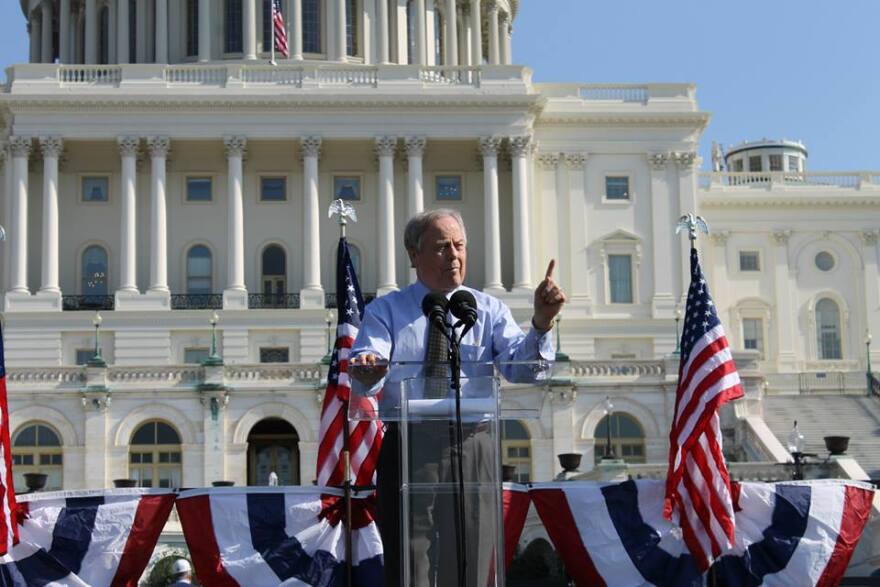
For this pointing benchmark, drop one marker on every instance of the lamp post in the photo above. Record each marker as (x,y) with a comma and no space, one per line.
(213,359)
(677,338)
(609,409)
(560,356)
(798,456)
(97,360)
(868,374)
(328,320)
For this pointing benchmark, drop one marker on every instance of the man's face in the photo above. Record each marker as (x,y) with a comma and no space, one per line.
(442,260)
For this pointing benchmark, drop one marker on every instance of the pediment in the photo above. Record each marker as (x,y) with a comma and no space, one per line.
(621,236)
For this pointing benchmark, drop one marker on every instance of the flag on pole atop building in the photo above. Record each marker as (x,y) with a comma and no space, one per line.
(8,525)
(364,437)
(697,484)
(279,32)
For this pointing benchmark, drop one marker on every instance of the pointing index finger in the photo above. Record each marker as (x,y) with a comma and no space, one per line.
(550,269)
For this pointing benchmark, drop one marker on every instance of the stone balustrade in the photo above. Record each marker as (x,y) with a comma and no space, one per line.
(745,471)
(787,180)
(618,369)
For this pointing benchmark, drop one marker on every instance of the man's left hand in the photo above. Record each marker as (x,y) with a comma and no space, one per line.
(549,299)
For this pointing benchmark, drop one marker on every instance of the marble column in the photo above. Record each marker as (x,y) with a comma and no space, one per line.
(312,293)
(46,48)
(522,271)
(35,30)
(382,26)
(476,33)
(421,43)
(128,151)
(91,32)
(489,147)
(64,54)
(249,29)
(235,287)
(666,247)
(494,49)
(450,39)
(339,36)
(161,31)
(785,318)
(415,190)
(464,35)
(204,30)
(385,147)
(296,31)
(687,202)
(122,32)
(51,149)
(20,149)
(158,147)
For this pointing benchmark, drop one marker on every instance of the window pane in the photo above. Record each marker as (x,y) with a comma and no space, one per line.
(57,459)
(198,189)
(627,427)
(738,165)
(793,164)
(749,261)
(828,326)
(196,355)
(83,356)
(775,162)
(274,355)
(192,27)
(27,459)
(274,261)
(620,278)
(311,16)
(825,261)
(273,189)
(175,457)
(146,434)
(47,437)
(351,27)
(753,334)
(617,188)
(198,270)
(165,434)
(233,27)
(26,437)
(95,189)
(94,271)
(755,163)
(347,188)
(449,187)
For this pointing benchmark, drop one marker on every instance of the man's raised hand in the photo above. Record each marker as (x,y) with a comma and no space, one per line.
(549,299)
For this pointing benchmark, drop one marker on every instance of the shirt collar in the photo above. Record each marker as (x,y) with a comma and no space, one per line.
(420,290)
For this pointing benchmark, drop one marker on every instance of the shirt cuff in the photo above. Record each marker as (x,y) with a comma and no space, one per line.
(542,342)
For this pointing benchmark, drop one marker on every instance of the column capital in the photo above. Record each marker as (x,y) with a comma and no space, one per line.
(158,146)
(719,237)
(385,146)
(575,160)
(685,159)
(520,146)
(489,146)
(491,6)
(415,146)
(20,146)
(658,161)
(549,160)
(129,146)
(51,146)
(311,146)
(869,236)
(781,236)
(235,146)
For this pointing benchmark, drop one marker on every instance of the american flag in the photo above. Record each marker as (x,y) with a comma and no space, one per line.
(364,437)
(697,484)
(279,30)
(8,524)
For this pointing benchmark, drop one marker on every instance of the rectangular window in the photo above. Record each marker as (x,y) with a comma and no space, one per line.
(347,188)
(793,164)
(311,26)
(753,335)
(620,279)
(132,31)
(617,188)
(274,355)
(273,189)
(449,187)
(198,189)
(351,27)
(775,162)
(267,26)
(233,38)
(83,356)
(738,165)
(755,163)
(749,261)
(195,355)
(95,188)
(192,28)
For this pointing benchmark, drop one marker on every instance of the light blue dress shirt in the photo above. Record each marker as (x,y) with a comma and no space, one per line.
(395,328)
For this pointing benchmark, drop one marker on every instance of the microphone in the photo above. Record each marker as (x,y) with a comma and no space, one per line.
(434,307)
(463,306)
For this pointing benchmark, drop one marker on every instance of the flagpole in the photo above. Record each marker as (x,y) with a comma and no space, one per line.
(272,27)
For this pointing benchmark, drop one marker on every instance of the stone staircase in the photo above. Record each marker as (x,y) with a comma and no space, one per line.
(829,415)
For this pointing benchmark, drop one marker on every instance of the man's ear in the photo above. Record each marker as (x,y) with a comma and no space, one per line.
(412,261)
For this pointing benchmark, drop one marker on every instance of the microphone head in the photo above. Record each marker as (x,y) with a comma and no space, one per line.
(434,302)
(463,306)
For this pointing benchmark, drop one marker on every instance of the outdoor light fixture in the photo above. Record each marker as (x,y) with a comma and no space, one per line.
(609,409)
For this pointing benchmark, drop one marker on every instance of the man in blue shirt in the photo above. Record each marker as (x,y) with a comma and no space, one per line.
(394,329)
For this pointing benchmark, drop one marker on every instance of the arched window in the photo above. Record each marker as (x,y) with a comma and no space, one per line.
(274,277)
(94,271)
(199,270)
(273,445)
(155,456)
(36,448)
(627,438)
(516,449)
(828,329)
(311,18)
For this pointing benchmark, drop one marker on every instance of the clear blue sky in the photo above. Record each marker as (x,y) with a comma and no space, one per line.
(800,69)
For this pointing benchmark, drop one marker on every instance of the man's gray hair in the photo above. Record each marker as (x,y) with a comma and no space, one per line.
(418,224)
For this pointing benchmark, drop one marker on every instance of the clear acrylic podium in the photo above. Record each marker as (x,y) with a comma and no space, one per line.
(451,526)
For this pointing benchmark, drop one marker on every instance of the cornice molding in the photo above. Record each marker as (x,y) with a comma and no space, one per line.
(728,200)
(697,120)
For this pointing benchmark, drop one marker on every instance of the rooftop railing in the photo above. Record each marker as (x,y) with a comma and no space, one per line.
(787,179)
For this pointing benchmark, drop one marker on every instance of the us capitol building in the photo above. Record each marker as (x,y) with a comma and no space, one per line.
(158,170)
